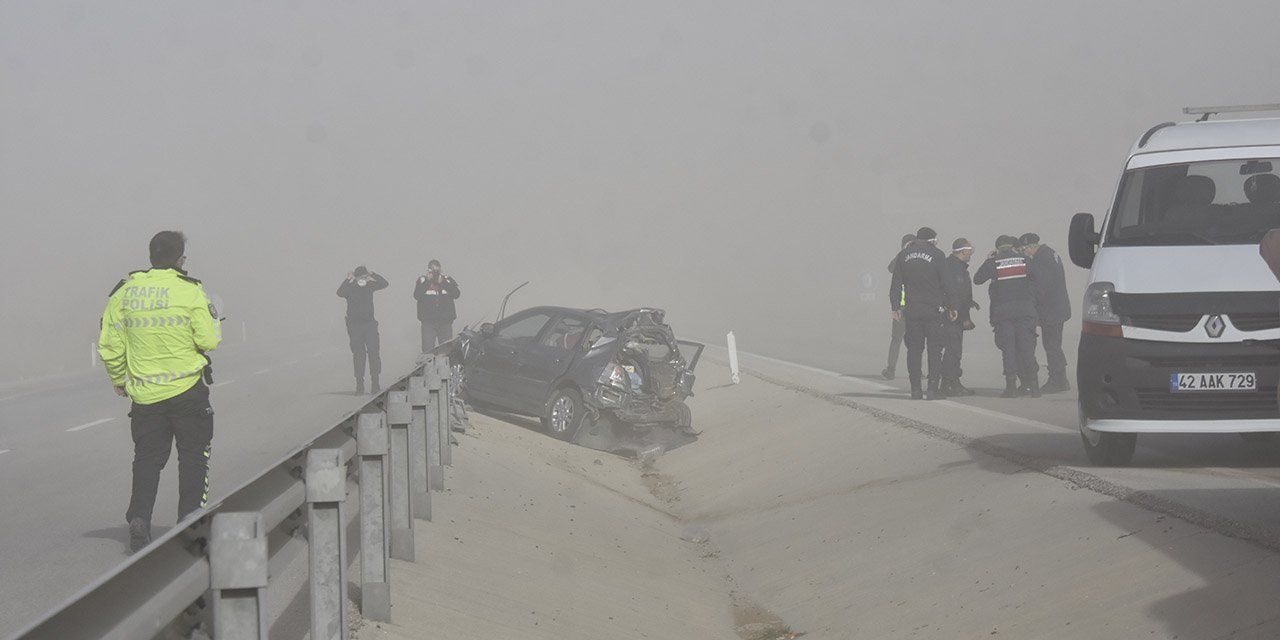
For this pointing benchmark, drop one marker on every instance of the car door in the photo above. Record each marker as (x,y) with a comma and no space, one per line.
(497,366)
(546,361)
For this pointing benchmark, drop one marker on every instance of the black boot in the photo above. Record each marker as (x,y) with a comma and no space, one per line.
(887,373)
(934,392)
(374,387)
(917,393)
(1010,387)
(1030,387)
(139,534)
(360,386)
(958,390)
(1056,383)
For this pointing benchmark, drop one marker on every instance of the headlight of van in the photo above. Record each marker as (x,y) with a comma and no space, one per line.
(1098,318)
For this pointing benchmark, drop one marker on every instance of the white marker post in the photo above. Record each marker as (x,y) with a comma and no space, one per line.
(244,331)
(733,358)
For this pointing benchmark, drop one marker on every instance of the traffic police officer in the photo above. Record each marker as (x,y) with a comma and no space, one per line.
(155,330)
(919,271)
(960,292)
(1053,307)
(1013,316)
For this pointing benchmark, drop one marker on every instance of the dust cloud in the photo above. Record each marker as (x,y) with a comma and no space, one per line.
(745,165)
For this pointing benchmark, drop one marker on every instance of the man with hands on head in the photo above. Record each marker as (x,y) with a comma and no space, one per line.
(435,293)
(362,327)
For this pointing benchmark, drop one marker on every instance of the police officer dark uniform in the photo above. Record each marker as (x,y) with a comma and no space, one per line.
(1053,307)
(1013,316)
(918,296)
(435,293)
(155,330)
(960,293)
(899,327)
(362,328)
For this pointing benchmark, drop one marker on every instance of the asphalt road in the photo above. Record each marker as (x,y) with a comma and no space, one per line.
(1232,484)
(65,448)
(65,456)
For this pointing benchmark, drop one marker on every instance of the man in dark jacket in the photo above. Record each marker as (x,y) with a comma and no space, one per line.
(960,293)
(435,293)
(362,328)
(1013,316)
(1053,307)
(899,327)
(918,279)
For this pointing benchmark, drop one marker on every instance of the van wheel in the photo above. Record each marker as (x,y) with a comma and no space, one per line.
(563,414)
(1107,449)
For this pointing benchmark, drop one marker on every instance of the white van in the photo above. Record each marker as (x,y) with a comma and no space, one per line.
(1181,322)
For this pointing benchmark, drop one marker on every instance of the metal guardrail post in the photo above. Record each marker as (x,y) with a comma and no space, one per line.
(372,444)
(399,476)
(423,398)
(444,406)
(238,576)
(326,479)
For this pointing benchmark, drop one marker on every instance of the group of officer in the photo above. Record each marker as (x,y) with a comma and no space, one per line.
(155,331)
(931,298)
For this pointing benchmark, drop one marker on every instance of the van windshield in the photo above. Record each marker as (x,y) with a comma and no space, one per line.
(1218,202)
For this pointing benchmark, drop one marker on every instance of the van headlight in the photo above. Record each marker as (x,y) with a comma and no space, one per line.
(1098,318)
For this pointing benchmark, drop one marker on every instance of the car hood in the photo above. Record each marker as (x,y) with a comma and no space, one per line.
(1236,267)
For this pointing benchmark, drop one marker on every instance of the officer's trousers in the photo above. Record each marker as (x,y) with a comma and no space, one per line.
(895,342)
(434,333)
(952,350)
(924,332)
(186,418)
(365,344)
(1055,359)
(1016,339)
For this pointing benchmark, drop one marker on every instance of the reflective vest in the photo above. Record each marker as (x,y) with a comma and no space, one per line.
(155,329)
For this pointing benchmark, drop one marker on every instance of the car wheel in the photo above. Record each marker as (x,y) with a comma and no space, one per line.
(1107,449)
(563,414)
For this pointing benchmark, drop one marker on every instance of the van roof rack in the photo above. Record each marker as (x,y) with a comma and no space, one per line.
(1205,112)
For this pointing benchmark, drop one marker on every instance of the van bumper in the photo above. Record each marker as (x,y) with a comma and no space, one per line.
(1123,386)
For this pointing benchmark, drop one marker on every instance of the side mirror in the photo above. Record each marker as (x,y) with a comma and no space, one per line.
(1082,240)
(1269,248)
(486,329)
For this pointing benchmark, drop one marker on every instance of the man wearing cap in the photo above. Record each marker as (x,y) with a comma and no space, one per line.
(918,296)
(1053,307)
(960,292)
(1013,316)
(362,328)
(899,327)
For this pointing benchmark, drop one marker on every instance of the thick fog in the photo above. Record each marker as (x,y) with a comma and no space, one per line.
(744,165)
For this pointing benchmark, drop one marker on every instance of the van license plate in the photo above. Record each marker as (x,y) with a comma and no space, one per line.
(1180,382)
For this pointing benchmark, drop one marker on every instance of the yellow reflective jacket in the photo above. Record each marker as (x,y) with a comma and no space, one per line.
(155,329)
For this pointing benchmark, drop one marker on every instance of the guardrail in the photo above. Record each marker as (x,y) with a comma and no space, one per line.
(212,574)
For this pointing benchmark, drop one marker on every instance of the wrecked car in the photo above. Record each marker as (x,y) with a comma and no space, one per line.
(611,381)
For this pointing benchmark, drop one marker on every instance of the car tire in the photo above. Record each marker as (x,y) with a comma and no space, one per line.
(563,414)
(1106,449)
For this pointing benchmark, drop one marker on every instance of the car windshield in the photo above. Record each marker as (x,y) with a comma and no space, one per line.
(1200,203)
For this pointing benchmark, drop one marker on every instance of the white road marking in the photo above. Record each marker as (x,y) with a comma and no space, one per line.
(261,371)
(219,384)
(1027,422)
(5,450)
(90,424)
